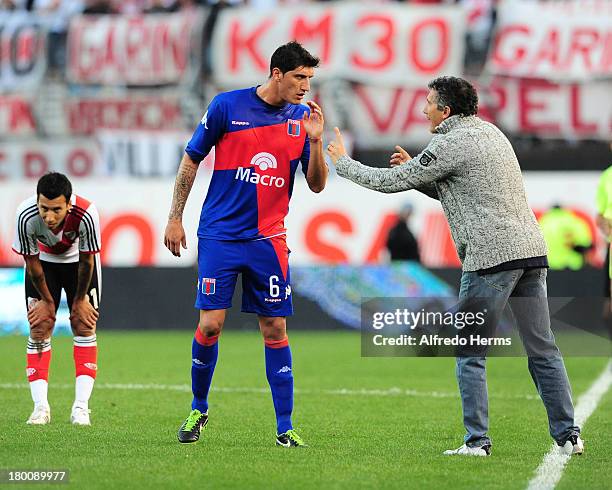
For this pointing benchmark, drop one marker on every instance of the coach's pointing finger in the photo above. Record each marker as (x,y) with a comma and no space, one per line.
(336,149)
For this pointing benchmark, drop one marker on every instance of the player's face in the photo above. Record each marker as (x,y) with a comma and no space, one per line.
(53,211)
(294,84)
(432,111)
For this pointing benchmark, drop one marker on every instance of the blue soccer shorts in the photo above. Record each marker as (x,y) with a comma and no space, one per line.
(264,265)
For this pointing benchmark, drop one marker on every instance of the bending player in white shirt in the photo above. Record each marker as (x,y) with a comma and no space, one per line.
(58,235)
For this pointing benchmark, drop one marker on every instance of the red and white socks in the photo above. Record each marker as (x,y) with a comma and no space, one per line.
(38,355)
(37,369)
(86,366)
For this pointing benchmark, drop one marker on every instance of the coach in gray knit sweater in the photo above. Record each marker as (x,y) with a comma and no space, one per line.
(471,168)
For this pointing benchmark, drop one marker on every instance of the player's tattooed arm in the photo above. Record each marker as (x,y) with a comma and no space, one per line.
(43,310)
(86,267)
(182,187)
(174,237)
(37,276)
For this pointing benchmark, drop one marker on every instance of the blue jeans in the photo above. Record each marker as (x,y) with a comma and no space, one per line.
(544,359)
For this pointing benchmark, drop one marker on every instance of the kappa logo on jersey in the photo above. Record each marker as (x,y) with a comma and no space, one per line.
(205,120)
(208,285)
(30,372)
(293,127)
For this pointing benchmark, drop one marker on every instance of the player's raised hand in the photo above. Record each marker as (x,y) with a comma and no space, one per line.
(400,156)
(315,122)
(83,313)
(174,237)
(336,149)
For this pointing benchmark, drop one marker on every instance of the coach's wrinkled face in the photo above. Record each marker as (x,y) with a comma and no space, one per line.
(53,211)
(433,112)
(294,84)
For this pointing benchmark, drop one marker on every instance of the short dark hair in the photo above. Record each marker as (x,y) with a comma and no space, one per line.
(456,93)
(291,56)
(52,185)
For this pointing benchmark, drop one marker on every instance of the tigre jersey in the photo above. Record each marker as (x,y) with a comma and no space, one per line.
(80,232)
(258,148)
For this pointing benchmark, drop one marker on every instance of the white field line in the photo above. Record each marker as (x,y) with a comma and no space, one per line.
(333,392)
(551,468)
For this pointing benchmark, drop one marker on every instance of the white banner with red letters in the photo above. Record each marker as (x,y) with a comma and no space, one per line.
(387,45)
(344,223)
(23,50)
(17,117)
(389,116)
(32,158)
(565,40)
(144,111)
(153,49)
(116,154)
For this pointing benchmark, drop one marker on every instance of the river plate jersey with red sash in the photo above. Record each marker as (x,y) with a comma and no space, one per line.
(80,232)
(258,148)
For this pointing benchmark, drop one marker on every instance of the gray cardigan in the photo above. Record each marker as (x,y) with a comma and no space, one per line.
(470,167)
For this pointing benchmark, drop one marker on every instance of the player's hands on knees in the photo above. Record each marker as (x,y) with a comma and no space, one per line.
(399,157)
(336,148)
(83,312)
(41,314)
(174,237)
(315,122)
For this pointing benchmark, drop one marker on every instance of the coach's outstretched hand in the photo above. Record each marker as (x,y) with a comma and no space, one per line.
(175,238)
(336,149)
(400,157)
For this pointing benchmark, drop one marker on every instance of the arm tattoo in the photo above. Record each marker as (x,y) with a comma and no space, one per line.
(37,276)
(184,180)
(86,266)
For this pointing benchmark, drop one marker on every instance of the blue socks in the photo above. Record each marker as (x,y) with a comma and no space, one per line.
(204,353)
(280,376)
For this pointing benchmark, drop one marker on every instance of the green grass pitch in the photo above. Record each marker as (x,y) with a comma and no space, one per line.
(369,423)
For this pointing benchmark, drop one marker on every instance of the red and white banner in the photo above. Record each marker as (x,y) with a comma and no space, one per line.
(344,223)
(391,116)
(136,111)
(23,51)
(17,116)
(32,158)
(141,153)
(392,45)
(548,109)
(143,50)
(568,40)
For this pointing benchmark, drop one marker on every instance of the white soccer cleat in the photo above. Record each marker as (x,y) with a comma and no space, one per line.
(80,416)
(574,445)
(469,451)
(40,416)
